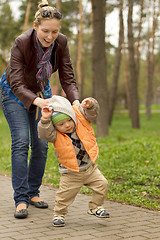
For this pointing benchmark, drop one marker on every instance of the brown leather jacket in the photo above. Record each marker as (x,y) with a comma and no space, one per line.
(22,68)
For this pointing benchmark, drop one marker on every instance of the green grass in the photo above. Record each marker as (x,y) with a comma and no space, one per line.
(154,107)
(129,159)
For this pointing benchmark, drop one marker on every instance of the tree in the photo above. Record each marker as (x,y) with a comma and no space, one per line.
(99,65)
(27,15)
(58,5)
(133,81)
(9,29)
(69,11)
(79,48)
(7,26)
(28,9)
(126,75)
(139,39)
(112,98)
(137,57)
(150,59)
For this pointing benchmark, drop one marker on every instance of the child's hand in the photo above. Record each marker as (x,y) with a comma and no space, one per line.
(86,103)
(46,112)
(76,102)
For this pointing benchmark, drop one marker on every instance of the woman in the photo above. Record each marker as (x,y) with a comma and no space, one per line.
(35,55)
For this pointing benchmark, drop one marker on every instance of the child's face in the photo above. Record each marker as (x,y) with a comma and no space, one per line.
(65,126)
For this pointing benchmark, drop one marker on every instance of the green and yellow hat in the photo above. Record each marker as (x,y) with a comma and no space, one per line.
(58,116)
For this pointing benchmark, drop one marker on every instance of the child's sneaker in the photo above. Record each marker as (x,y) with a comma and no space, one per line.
(59,221)
(98,212)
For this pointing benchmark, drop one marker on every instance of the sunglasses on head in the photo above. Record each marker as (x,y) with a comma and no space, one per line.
(49,13)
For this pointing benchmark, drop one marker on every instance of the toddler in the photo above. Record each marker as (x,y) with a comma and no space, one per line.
(70,130)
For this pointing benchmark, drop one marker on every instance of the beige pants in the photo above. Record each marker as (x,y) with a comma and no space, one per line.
(71,183)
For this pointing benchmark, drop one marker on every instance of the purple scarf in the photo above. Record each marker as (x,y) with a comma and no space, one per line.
(44,66)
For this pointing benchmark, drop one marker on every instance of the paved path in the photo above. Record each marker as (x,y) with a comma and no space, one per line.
(126,222)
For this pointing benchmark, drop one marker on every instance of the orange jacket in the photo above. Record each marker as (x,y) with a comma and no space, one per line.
(64,148)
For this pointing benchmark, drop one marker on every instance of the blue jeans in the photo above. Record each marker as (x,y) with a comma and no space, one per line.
(26,178)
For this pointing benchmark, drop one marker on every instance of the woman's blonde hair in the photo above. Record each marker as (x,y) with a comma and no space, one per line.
(46,12)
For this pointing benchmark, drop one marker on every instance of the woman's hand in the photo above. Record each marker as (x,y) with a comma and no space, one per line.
(40,102)
(86,103)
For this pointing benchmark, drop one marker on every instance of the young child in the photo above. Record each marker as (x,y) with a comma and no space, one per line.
(70,130)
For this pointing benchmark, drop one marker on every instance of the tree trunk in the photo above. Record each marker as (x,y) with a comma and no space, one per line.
(126,76)
(27,16)
(99,65)
(58,5)
(91,19)
(139,40)
(112,97)
(151,62)
(79,48)
(133,83)
(149,85)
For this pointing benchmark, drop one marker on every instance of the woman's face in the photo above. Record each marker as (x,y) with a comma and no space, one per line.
(47,31)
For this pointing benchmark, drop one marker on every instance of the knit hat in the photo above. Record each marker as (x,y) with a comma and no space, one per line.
(61,107)
(58,116)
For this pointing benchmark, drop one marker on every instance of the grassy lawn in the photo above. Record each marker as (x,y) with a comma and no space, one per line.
(129,159)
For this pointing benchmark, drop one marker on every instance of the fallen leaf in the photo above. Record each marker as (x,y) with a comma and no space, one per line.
(144,193)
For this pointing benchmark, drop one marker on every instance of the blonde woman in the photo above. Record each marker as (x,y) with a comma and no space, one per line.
(35,55)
